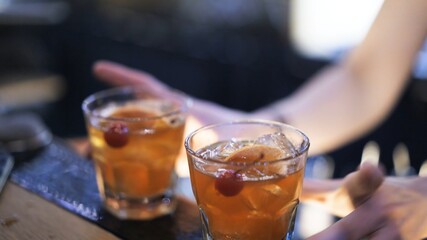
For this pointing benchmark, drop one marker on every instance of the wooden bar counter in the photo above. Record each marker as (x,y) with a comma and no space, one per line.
(35,205)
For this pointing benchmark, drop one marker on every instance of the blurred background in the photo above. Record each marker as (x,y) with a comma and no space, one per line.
(242,54)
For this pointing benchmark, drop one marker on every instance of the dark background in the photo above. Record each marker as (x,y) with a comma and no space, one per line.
(236,53)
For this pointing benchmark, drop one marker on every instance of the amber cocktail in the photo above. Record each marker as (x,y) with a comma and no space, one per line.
(247,177)
(136,137)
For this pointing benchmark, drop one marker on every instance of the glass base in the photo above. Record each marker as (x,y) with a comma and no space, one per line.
(237,234)
(141,209)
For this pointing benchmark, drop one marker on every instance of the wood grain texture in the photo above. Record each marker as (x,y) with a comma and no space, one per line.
(24,215)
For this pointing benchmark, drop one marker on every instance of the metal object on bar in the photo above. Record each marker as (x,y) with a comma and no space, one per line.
(401,161)
(23,132)
(423,169)
(371,153)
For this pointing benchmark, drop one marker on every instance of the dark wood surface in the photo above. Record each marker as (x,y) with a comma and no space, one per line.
(64,180)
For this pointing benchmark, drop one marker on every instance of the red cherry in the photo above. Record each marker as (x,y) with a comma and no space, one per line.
(117,135)
(229,183)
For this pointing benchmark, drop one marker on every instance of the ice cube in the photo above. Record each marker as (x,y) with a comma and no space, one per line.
(280,141)
(254,173)
(106,110)
(229,147)
(223,150)
(207,153)
(257,199)
(274,189)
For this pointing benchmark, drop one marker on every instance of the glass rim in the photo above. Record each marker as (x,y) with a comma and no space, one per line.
(301,151)
(183,108)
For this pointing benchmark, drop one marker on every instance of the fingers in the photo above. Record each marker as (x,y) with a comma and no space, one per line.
(365,221)
(119,75)
(388,232)
(315,190)
(354,190)
(362,184)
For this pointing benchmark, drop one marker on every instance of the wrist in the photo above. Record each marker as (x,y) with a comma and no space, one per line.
(273,112)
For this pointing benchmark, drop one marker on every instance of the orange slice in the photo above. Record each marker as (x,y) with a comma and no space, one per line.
(255,153)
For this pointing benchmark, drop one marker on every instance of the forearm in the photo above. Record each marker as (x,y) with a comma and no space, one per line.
(207,112)
(346,101)
(332,109)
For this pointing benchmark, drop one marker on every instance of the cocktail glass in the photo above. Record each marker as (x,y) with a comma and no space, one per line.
(247,177)
(136,136)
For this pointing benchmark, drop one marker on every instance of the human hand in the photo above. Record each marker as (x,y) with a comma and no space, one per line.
(391,208)
(201,112)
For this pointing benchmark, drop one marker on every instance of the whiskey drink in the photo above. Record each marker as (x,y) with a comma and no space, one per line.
(247,179)
(135,143)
